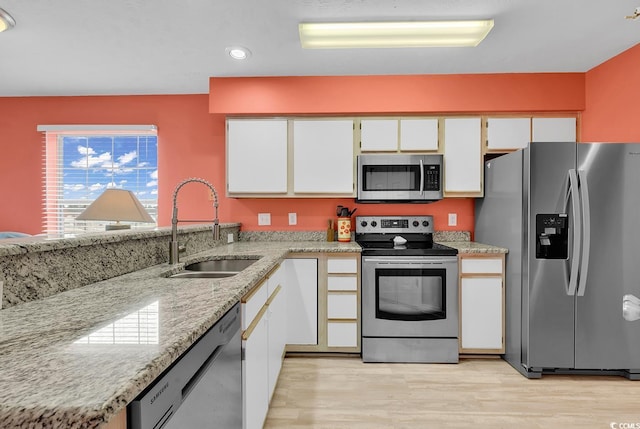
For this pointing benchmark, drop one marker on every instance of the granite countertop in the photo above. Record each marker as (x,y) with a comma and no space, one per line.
(472,247)
(63,363)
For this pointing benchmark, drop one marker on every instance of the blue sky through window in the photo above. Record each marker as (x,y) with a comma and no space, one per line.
(90,164)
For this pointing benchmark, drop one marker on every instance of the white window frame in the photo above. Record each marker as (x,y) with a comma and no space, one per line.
(55,223)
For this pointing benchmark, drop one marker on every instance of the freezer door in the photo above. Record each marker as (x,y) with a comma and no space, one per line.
(604,339)
(548,310)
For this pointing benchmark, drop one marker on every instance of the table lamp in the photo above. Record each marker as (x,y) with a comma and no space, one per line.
(116,205)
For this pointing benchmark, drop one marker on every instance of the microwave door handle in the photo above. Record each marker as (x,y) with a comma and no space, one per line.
(421,177)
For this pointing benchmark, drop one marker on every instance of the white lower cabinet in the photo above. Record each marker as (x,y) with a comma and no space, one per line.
(343,303)
(302,301)
(482,304)
(264,320)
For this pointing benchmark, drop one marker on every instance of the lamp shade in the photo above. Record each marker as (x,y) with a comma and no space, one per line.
(6,21)
(116,205)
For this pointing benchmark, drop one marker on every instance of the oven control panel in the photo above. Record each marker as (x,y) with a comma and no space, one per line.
(394,224)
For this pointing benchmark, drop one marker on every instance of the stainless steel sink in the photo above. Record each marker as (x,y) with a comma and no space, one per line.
(214,269)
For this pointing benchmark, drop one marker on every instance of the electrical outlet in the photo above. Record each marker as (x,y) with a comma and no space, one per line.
(230,238)
(264,219)
(453,219)
(293,218)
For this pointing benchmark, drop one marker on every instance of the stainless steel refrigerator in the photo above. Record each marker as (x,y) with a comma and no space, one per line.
(570,216)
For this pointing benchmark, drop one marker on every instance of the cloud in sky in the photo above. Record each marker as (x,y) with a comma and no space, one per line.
(154,175)
(152,183)
(74,187)
(127,158)
(104,159)
(97,187)
(84,150)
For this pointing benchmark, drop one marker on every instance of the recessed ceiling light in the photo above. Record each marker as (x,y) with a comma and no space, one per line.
(409,34)
(238,52)
(6,21)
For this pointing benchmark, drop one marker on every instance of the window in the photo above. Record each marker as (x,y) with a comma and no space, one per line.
(81,161)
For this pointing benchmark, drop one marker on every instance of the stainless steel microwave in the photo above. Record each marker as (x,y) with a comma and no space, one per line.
(399,178)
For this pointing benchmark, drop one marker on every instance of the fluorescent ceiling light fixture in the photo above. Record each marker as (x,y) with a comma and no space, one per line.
(6,21)
(409,34)
(238,52)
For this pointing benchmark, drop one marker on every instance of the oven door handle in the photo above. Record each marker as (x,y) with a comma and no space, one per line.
(396,261)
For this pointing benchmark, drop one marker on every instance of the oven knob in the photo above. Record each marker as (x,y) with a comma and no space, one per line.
(363,223)
(374,223)
(416,223)
(425,223)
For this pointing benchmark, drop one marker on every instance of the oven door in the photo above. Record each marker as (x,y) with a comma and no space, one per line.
(409,296)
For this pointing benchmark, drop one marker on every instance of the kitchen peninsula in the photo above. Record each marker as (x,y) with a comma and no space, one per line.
(53,376)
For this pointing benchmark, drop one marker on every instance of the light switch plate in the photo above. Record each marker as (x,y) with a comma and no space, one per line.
(453,219)
(293,218)
(230,238)
(264,219)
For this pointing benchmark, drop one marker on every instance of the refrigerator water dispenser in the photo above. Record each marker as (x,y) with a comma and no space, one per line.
(552,236)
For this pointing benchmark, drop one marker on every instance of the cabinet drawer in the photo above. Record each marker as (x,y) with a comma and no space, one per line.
(340,334)
(342,306)
(253,302)
(481,265)
(342,265)
(342,283)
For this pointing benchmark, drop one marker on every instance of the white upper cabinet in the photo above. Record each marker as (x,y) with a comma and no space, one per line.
(508,133)
(378,135)
(463,156)
(256,156)
(419,134)
(323,157)
(554,130)
(391,135)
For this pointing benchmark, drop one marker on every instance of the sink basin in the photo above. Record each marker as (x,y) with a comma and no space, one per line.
(214,269)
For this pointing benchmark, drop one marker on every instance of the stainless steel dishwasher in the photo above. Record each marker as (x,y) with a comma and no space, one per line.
(202,389)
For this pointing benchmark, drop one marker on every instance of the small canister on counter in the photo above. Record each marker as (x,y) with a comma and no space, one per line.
(344,229)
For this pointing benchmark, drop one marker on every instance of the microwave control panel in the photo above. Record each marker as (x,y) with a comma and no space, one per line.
(431,177)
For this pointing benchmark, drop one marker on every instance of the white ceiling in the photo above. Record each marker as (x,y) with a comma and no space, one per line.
(83,47)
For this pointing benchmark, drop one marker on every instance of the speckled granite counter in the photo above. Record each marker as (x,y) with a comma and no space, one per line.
(474,247)
(53,377)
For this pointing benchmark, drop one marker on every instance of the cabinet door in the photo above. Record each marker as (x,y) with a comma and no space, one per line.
(419,134)
(255,370)
(481,313)
(463,156)
(256,156)
(508,133)
(342,334)
(302,301)
(277,311)
(377,135)
(554,130)
(323,159)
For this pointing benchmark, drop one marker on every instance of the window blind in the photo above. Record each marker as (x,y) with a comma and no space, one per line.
(81,161)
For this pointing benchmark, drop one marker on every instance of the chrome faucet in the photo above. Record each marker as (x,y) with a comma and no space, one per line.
(174,248)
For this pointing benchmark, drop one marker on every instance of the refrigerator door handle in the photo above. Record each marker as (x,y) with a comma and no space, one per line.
(586,232)
(630,308)
(577,232)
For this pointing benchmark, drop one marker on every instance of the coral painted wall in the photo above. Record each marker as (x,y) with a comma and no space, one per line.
(191,130)
(187,136)
(613,99)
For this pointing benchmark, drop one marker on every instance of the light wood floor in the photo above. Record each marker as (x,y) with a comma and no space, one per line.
(336,393)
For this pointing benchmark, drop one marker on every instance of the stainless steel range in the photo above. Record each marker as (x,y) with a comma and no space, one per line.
(409,291)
